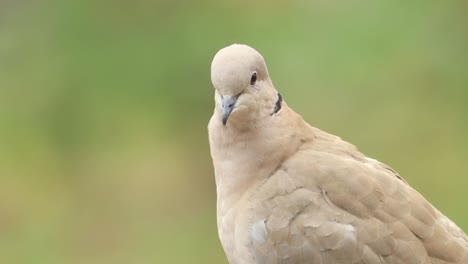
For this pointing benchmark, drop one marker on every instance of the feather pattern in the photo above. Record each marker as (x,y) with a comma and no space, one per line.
(291,193)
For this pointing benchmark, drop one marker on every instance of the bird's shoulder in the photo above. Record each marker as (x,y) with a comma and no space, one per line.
(328,200)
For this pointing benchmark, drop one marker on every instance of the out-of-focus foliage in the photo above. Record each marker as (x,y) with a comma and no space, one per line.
(104,155)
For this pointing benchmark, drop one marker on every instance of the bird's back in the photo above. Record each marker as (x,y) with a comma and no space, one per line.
(331,204)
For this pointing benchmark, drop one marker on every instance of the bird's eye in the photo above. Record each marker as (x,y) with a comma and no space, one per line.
(253,79)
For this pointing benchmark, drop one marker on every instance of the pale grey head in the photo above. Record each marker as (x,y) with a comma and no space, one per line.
(239,70)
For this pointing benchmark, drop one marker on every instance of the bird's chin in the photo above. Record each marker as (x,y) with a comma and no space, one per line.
(238,118)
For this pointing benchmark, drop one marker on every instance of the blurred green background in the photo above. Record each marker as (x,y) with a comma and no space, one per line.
(104,105)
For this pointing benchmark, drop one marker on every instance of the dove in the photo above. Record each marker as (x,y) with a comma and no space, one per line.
(291,193)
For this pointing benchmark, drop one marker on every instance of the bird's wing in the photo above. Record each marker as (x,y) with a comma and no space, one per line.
(321,207)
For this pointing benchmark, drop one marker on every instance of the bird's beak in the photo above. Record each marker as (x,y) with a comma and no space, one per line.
(228,104)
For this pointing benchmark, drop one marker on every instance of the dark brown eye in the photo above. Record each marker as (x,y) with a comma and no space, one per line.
(253,79)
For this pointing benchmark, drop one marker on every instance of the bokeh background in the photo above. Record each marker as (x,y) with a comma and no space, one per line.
(104,105)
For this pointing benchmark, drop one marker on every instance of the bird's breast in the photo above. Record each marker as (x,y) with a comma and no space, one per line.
(233,227)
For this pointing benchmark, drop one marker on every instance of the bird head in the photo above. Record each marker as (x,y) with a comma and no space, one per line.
(243,86)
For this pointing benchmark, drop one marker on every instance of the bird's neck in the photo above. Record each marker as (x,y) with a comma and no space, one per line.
(243,158)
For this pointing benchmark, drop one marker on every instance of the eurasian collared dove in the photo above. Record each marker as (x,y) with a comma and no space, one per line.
(291,193)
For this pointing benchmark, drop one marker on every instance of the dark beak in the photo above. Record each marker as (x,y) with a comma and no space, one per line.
(228,104)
